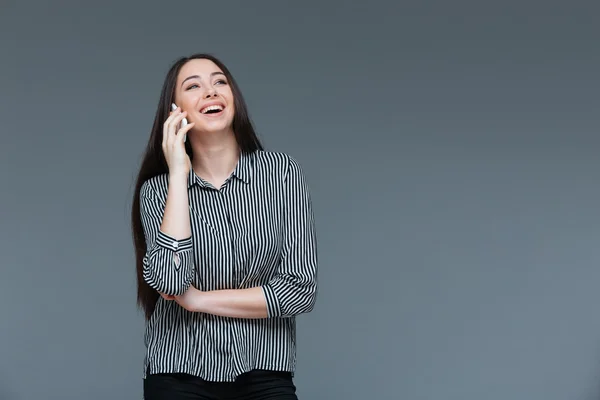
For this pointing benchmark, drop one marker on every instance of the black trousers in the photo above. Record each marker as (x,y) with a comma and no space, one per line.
(253,385)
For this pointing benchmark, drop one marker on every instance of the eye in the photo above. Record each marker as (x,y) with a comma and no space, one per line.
(221,82)
(192,86)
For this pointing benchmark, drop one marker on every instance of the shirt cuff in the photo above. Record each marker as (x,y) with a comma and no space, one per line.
(169,242)
(273,309)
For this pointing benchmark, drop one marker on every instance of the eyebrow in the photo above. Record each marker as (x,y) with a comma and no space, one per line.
(198,76)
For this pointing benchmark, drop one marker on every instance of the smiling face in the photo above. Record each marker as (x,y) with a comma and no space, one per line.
(203,90)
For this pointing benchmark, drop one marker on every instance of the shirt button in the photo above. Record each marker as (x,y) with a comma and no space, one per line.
(175,244)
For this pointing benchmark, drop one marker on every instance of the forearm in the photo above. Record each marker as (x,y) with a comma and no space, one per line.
(235,303)
(168,265)
(176,218)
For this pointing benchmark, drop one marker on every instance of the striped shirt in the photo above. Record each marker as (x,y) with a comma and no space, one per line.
(256,230)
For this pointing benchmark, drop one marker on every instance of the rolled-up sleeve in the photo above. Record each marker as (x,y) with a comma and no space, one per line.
(293,289)
(168,263)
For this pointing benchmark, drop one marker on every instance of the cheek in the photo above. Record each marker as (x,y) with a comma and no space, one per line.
(231,114)
(226,92)
(231,103)
(190,102)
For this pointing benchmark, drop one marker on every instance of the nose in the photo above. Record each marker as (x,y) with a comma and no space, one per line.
(210,92)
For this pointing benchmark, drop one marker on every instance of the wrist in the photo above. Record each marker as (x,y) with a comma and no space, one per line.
(178,176)
(198,301)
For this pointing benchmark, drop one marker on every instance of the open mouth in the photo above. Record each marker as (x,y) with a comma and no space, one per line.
(213,109)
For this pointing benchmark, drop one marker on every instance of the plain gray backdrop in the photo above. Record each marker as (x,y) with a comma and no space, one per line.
(452,151)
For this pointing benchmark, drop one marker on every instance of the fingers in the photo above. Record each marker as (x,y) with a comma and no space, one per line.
(173,142)
(172,123)
(181,134)
(173,128)
(173,120)
(170,126)
(167,126)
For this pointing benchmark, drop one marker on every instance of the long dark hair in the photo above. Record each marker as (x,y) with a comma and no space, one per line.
(154,162)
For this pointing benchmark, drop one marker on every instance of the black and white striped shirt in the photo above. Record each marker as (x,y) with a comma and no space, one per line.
(257,230)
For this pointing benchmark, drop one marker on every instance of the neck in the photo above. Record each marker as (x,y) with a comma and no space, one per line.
(215,156)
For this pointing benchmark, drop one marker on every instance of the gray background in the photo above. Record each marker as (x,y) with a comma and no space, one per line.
(452,151)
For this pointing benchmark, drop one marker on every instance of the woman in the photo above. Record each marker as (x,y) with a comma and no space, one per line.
(225,246)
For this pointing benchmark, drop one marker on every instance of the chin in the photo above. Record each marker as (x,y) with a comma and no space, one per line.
(215,127)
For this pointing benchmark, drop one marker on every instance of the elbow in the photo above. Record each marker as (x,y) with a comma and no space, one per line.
(168,280)
(302,303)
(288,295)
(307,305)
(172,287)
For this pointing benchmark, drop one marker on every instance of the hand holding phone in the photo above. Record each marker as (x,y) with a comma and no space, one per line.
(175,131)
(184,121)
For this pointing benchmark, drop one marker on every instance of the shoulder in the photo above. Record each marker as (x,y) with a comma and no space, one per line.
(278,163)
(155,187)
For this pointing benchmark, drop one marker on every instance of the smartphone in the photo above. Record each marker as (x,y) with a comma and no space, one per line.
(183,121)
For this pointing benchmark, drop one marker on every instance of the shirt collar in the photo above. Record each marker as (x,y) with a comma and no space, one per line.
(243,171)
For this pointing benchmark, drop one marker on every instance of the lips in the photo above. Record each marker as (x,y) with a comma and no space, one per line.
(214,108)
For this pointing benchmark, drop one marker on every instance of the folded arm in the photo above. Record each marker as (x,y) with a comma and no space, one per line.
(168,263)
(293,288)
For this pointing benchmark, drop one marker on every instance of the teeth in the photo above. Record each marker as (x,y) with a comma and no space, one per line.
(211,108)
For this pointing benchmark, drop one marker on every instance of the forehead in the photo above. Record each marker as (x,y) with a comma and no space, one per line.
(200,67)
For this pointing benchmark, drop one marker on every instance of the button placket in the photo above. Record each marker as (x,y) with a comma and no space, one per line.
(176,258)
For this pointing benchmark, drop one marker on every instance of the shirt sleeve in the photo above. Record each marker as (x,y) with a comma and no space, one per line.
(293,289)
(168,265)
